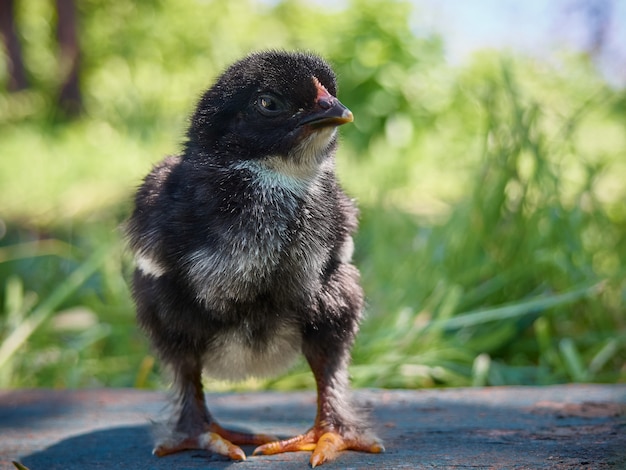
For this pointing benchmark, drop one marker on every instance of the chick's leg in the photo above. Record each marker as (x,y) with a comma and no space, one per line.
(336,427)
(327,343)
(195,428)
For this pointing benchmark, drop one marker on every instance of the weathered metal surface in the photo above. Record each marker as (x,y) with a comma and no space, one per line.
(557,427)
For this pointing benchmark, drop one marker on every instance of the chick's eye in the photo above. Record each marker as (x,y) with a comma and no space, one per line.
(269,105)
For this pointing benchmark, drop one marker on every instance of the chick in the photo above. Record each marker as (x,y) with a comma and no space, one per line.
(243,247)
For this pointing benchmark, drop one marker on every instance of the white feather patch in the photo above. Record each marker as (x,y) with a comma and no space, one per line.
(297,171)
(346,250)
(314,148)
(149,266)
(232,357)
(277,173)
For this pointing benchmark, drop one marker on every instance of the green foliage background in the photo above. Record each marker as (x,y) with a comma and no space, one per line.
(493,230)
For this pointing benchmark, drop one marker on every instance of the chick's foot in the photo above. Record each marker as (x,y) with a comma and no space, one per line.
(326,445)
(215,439)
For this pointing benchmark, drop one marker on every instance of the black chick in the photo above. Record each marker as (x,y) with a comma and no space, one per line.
(243,250)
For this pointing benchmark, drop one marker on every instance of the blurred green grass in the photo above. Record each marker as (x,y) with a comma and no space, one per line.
(493,225)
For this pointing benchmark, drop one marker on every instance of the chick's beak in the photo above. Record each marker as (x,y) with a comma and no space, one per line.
(333,115)
(328,110)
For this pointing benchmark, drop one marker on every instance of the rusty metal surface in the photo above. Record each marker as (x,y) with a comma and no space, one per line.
(556,427)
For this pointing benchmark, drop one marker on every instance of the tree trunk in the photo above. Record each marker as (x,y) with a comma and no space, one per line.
(70,97)
(17,72)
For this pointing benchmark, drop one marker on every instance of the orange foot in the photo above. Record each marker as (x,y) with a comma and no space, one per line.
(215,439)
(325,445)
